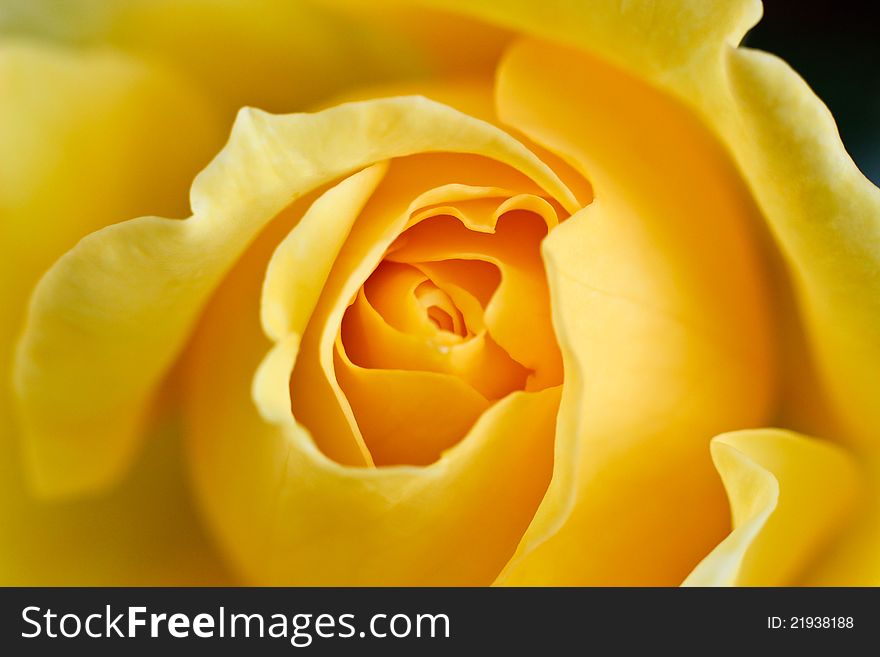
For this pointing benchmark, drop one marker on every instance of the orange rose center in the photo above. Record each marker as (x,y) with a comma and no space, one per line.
(461,297)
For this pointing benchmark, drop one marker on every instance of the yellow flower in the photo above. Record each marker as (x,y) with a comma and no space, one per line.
(536,339)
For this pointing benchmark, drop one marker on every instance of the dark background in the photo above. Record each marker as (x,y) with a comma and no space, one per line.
(835,46)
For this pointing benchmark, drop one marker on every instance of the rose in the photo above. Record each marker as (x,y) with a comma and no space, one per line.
(663,321)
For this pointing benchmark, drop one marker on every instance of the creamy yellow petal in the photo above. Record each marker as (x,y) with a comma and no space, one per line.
(295,276)
(827,224)
(112,314)
(826,217)
(317,400)
(302,262)
(307,521)
(463,311)
(852,559)
(144,532)
(518,315)
(788,496)
(777,131)
(440,308)
(481,214)
(659,305)
(478,279)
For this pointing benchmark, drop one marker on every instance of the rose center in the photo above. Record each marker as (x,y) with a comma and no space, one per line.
(441,309)
(454,317)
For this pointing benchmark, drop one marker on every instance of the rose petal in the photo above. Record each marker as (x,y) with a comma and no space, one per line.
(478,279)
(85,139)
(660,310)
(788,494)
(390,294)
(477,45)
(825,215)
(294,279)
(654,40)
(79,149)
(303,260)
(409,416)
(145,531)
(411,525)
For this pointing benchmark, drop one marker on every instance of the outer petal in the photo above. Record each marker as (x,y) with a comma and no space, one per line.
(146,531)
(659,305)
(788,495)
(826,217)
(85,139)
(110,317)
(656,40)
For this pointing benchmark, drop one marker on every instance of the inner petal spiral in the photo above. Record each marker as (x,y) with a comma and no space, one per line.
(460,297)
(441,309)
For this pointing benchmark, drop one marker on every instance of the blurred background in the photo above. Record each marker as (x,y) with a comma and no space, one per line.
(835,46)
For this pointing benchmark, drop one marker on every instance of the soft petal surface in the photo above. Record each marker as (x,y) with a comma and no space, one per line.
(660,309)
(828,226)
(418,415)
(821,211)
(145,531)
(789,495)
(656,40)
(87,139)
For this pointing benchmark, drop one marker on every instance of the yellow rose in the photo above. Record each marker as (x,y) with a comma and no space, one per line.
(536,339)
